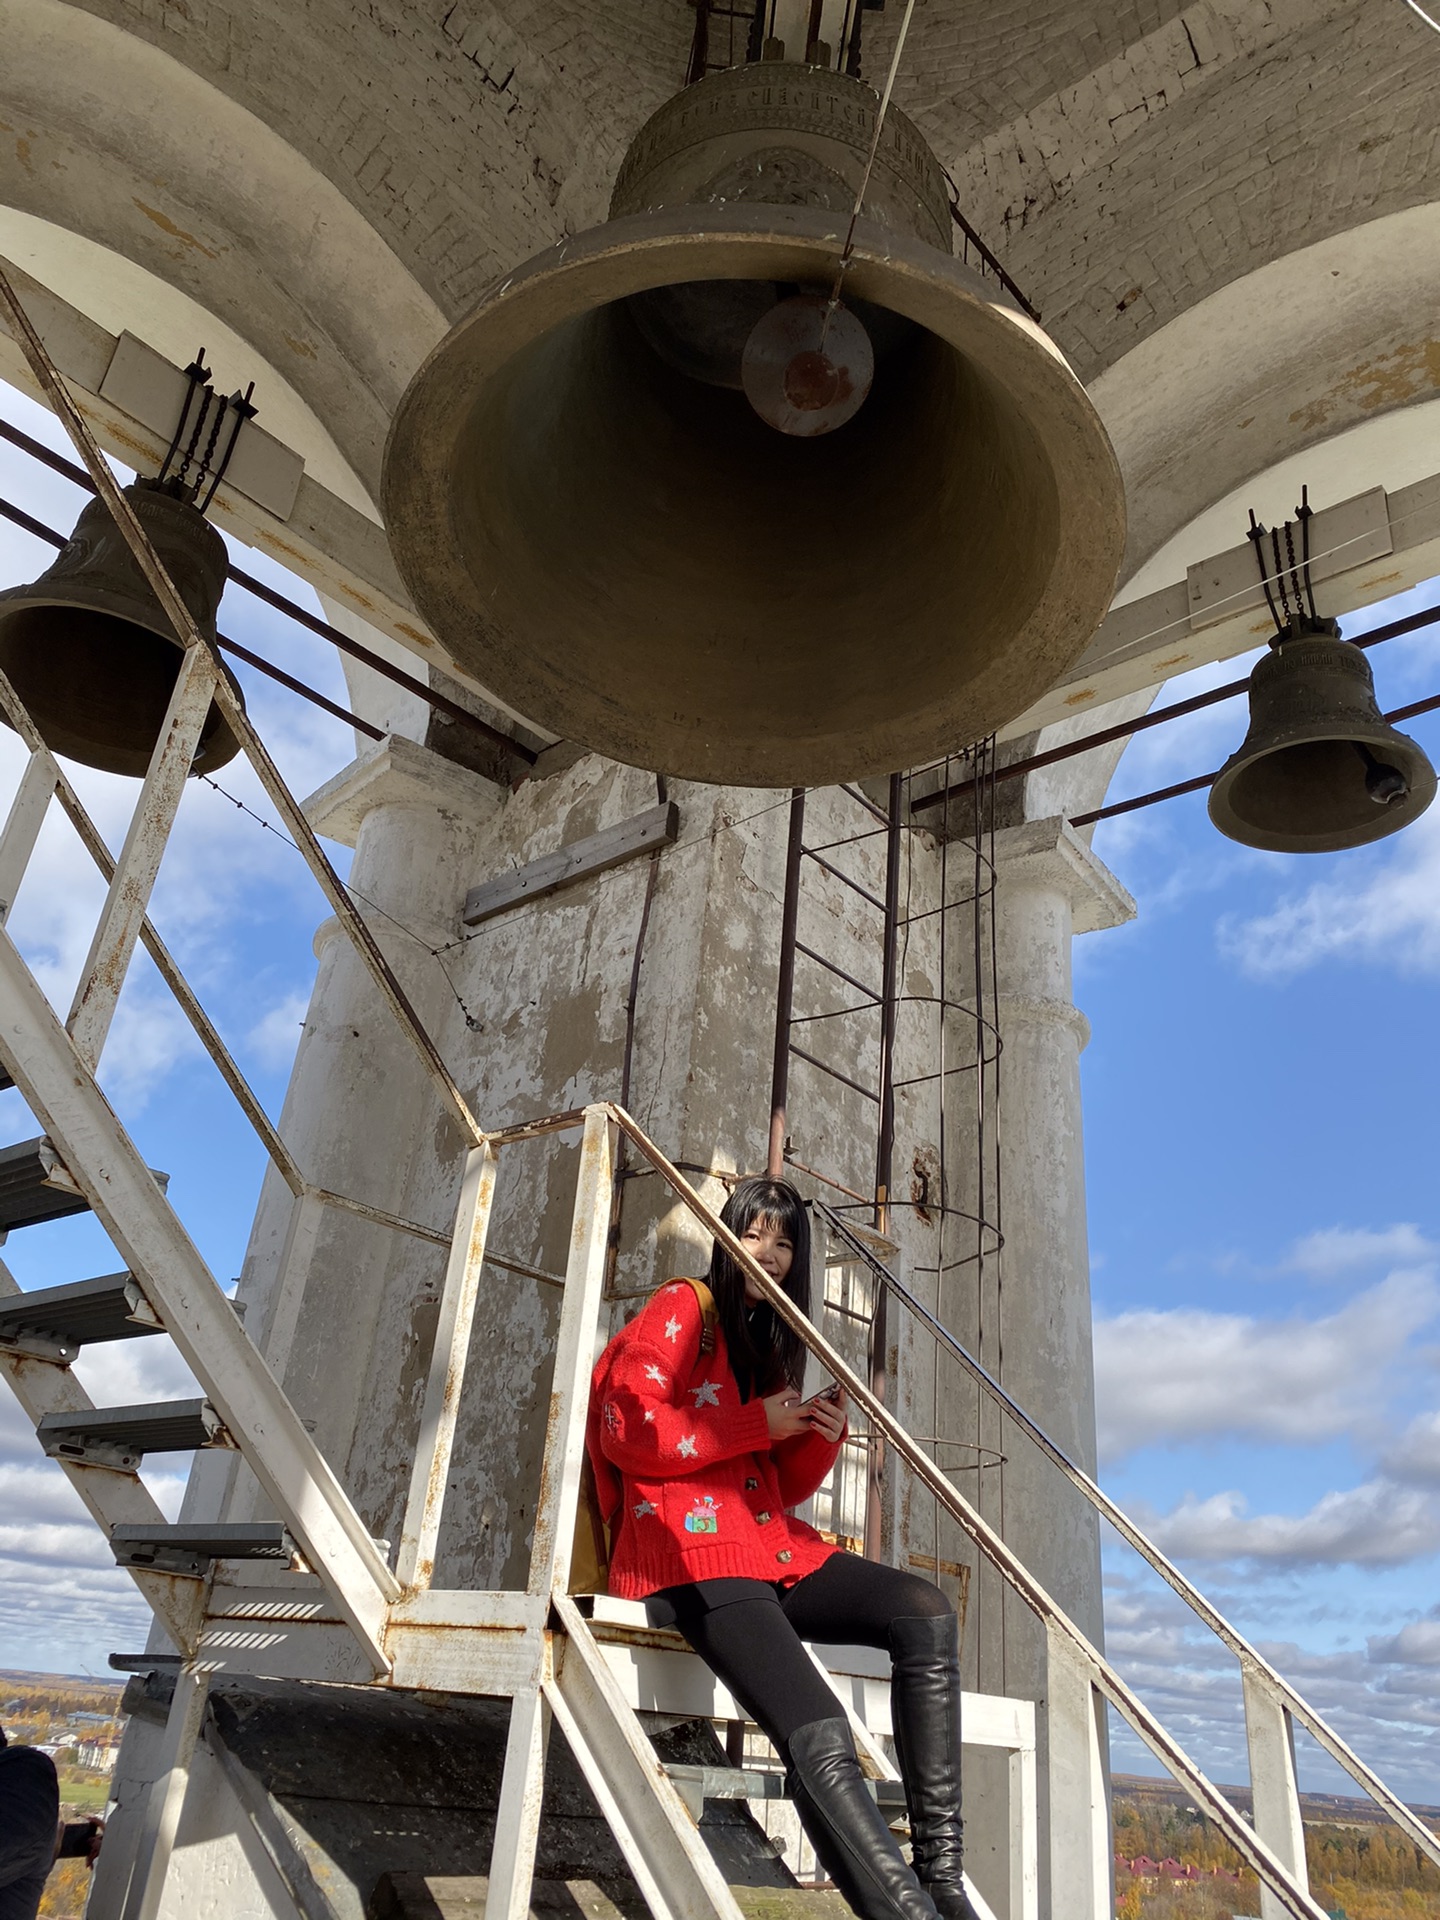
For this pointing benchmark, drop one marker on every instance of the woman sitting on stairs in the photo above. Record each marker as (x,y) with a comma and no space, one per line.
(700,1442)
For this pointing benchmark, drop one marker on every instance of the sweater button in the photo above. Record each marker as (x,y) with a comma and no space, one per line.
(761,1518)
(784,1554)
(751,1485)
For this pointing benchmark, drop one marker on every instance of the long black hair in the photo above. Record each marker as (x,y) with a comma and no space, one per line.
(764,1353)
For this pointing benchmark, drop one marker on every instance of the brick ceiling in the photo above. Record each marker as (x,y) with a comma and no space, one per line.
(1124,160)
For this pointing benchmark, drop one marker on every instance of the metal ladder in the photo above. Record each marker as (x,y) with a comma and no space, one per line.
(333,1583)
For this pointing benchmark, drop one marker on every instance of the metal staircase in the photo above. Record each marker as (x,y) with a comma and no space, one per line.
(310,1593)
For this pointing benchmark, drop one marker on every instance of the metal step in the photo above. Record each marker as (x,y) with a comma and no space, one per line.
(53,1323)
(145,1662)
(35,1186)
(120,1436)
(189,1547)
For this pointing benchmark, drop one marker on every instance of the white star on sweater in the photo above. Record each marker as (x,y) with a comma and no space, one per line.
(672,1328)
(645,1506)
(649,1414)
(687,1448)
(654,1373)
(707,1394)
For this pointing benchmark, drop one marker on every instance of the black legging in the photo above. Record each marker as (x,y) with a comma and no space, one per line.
(749,1633)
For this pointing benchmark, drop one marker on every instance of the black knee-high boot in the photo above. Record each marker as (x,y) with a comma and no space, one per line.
(847,1829)
(925,1713)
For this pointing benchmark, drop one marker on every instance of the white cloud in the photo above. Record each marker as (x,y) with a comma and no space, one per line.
(1415,1455)
(1381,1700)
(1417,1644)
(1168,1377)
(276,1035)
(1378,1524)
(1333,1251)
(1386,914)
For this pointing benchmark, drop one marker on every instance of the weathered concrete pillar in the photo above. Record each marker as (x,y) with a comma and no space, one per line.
(1050,887)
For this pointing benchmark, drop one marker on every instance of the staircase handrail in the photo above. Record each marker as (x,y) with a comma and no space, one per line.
(1295,1703)
(1103,1677)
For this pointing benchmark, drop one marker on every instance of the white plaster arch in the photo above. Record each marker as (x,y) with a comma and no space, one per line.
(1321,368)
(121,296)
(106,136)
(1280,360)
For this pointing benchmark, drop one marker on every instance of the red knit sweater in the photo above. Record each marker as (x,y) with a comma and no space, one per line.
(688,1476)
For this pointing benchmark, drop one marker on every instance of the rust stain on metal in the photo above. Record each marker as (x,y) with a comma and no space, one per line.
(277,545)
(120,436)
(1080,697)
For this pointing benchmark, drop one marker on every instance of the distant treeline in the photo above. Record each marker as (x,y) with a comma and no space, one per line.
(1368,1873)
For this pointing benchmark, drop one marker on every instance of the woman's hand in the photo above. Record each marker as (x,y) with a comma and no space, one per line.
(786,1414)
(827,1414)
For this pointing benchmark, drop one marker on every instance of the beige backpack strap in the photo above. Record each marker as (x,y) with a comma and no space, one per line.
(709,1313)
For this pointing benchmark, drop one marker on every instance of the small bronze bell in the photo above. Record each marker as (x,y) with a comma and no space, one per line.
(1319,769)
(88,648)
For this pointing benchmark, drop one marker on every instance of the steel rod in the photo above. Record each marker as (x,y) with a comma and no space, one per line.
(1133,1537)
(872,994)
(9,511)
(316,698)
(1201,780)
(864,800)
(884,1157)
(844,879)
(183,621)
(785,988)
(835,1074)
(1392,630)
(441,702)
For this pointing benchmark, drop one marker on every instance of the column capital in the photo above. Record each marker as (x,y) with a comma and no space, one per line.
(398,772)
(1048,856)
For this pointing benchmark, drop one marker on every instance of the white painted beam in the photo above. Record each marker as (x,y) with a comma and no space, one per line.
(1363,549)
(342,553)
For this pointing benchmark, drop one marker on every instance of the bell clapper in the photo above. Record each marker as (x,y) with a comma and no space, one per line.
(807,365)
(1384,784)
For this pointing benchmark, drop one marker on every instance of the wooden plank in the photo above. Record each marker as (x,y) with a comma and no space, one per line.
(611,847)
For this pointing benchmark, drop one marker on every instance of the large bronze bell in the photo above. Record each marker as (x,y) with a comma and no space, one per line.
(88,647)
(588,497)
(1319,769)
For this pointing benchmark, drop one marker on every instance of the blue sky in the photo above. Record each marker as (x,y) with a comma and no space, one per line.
(238,908)
(1265,1230)
(1259,1098)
